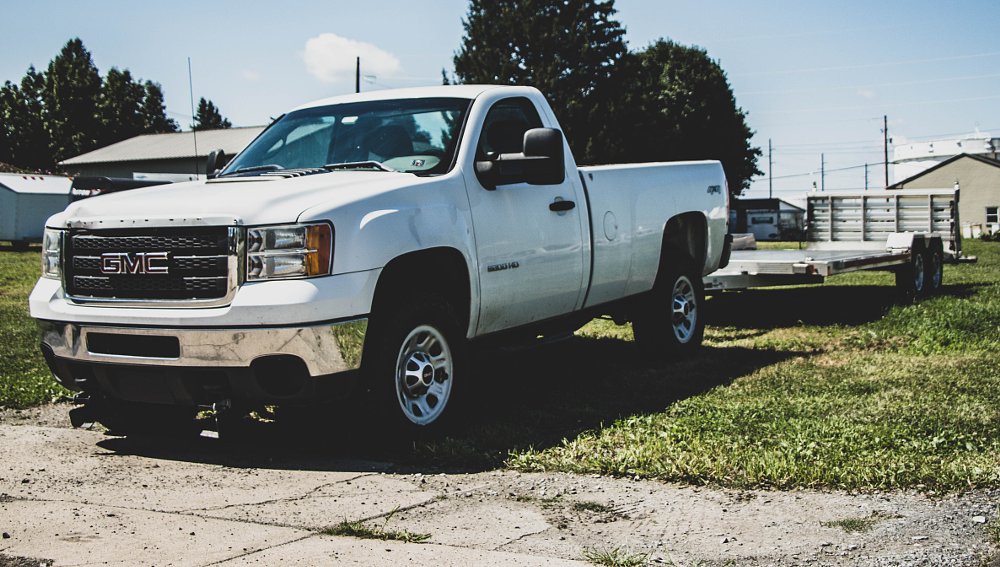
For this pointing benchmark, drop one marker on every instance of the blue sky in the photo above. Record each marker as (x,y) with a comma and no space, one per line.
(814,77)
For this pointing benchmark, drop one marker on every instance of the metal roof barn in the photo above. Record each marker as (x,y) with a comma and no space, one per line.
(171,153)
(26,201)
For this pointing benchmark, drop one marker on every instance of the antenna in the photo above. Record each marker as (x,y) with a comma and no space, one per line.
(194,132)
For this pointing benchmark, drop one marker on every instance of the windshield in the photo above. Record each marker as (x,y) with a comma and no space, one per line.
(409,135)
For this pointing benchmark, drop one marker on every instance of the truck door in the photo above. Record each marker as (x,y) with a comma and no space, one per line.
(531,253)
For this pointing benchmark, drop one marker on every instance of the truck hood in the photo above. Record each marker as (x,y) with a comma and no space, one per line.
(242,200)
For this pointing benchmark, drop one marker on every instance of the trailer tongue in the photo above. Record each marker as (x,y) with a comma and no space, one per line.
(909,232)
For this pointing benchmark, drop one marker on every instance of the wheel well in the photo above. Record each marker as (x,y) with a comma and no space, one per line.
(685,236)
(439,270)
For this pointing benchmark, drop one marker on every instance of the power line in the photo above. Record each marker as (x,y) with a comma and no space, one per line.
(894,84)
(869,65)
(881,105)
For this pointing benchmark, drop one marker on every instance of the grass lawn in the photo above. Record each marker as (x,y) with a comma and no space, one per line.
(862,394)
(24,378)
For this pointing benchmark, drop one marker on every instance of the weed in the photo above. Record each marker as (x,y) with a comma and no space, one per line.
(614,557)
(859,525)
(595,507)
(361,530)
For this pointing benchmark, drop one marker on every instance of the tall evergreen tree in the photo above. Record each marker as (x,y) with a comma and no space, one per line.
(24,140)
(208,117)
(154,112)
(120,107)
(568,49)
(72,89)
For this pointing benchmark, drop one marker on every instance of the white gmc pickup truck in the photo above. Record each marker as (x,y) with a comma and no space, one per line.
(366,240)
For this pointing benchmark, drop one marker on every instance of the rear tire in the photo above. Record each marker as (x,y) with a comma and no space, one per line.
(934,266)
(671,322)
(911,279)
(419,351)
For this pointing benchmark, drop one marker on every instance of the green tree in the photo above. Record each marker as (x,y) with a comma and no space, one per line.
(154,112)
(208,117)
(72,90)
(24,140)
(682,107)
(120,107)
(568,49)
(68,109)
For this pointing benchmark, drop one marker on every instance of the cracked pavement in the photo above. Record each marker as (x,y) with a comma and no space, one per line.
(77,497)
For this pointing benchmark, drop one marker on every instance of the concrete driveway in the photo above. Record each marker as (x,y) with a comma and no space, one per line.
(77,497)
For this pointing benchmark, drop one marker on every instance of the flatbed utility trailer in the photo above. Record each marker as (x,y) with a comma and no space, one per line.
(909,232)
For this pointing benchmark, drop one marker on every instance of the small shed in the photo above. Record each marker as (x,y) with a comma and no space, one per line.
(26,201)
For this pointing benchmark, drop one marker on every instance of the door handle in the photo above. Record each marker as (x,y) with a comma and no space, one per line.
(561,206)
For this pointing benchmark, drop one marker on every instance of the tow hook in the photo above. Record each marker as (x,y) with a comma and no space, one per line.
(85,415)
(220,410)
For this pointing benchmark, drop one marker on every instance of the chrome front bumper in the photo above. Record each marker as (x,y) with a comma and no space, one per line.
(325,349)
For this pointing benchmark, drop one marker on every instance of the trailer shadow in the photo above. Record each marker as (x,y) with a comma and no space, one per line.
(767,309)
(532,398)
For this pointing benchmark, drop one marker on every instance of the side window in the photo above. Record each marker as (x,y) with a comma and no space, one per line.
(991,215)
(505,125)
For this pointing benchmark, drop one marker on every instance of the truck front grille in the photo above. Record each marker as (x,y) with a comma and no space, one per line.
(154,264)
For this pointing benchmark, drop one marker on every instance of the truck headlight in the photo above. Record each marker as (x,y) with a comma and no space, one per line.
(289,251)
(52,254)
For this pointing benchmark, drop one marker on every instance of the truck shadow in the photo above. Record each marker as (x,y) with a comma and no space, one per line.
(766,309)
(537,397)
(530,398)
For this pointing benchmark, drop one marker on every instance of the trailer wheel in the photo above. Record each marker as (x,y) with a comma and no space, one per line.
(935,269)
(420,350)
(911,279)
(671,324)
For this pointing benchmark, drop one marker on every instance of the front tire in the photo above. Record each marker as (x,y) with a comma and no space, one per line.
(671,322)
(411,379)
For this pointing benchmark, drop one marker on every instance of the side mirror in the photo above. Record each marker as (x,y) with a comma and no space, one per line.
(217,160)
(541,162)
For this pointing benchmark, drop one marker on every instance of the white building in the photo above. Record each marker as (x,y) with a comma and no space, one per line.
(915,158)
(26,201)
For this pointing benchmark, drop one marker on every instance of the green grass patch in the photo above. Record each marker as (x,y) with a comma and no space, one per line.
(865,393)
(594,507)
(614,557)
(25,379)
(859,525)
(364,531)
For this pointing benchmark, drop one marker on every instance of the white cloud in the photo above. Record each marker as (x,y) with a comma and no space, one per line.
(329,58)
(250,75)
(866,93)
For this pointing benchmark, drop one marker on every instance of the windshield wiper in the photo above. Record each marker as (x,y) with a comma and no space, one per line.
(253,168)
(370,164)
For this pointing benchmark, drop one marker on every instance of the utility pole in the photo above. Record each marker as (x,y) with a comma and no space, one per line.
(885,146)
(770,177)
(866,177)
(357,75)
(822,172)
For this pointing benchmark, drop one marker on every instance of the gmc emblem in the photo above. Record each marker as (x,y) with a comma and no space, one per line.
(134,263)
